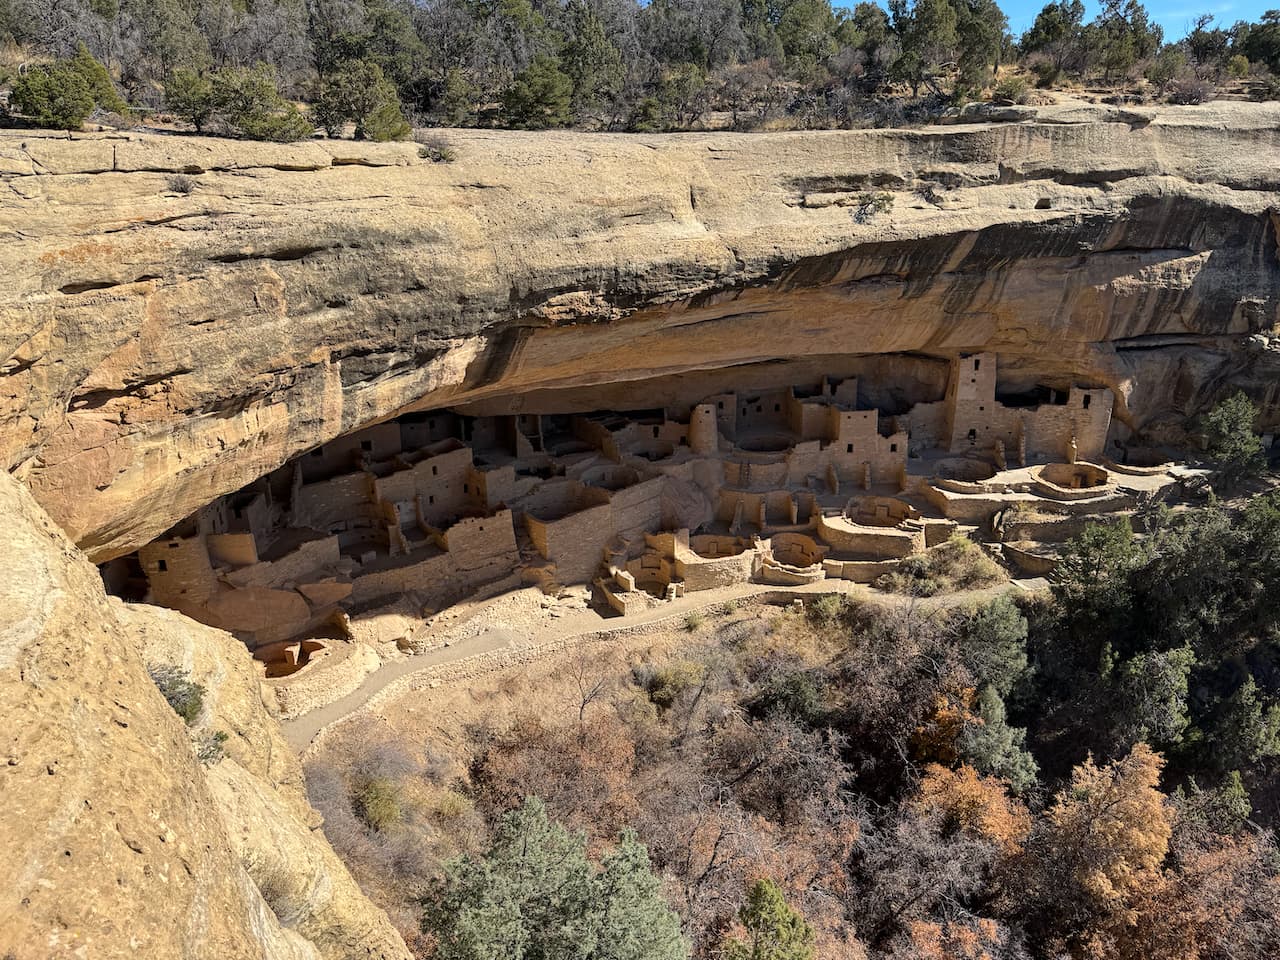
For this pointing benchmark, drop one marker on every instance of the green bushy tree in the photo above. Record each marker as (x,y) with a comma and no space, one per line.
(53,96)
(997,749)
(189,95)
(539,97)
(359,92)
(243,100)
(98,80)
(249,101)
(1246,727)
(1230,441)
(926,31)
(591,61)
(1056,33)
(534,895)
(775,929)
(1121,36)
(61,95)
(1261,42)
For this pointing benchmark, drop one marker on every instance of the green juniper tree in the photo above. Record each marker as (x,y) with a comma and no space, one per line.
(534,895)
(1230,441)
(358,91)
(775,929)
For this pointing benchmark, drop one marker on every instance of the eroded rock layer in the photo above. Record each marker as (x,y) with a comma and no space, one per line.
(164,347)
(115,840)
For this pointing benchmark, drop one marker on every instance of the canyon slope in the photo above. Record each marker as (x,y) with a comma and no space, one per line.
(165,341)
(115,840)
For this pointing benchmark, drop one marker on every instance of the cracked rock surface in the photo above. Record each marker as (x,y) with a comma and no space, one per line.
(115,841)
(160,347)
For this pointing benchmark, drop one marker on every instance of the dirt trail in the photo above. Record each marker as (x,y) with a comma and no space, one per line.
(486,632)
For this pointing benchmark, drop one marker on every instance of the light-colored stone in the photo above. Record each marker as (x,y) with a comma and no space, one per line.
(160,349)
(114,840)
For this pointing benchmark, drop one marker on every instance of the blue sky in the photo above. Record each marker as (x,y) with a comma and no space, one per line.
(1174,15)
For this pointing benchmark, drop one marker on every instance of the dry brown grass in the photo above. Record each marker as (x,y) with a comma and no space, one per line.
(958,564)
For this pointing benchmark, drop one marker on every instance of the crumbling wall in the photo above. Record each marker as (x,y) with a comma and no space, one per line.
(574,543)
(232,549)
(477,542)
(762,412)
(178,572)
(345,453)
(443,482)
(796,549)
(880,543)
(298,564)
(258,615)
(637,509)
(700,573)
(858,571)
(335,504)
(418,430)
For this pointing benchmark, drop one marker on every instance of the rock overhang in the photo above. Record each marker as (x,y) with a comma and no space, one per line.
(163,349)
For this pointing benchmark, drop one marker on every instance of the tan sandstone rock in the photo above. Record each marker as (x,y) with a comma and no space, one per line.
(114,840)
(162,348)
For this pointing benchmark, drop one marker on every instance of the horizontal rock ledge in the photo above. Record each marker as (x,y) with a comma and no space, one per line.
(162,347)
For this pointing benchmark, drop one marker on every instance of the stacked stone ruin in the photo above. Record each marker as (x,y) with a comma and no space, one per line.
(778,486)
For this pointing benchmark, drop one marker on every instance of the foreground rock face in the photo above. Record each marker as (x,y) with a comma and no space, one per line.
(163,346)
(114,840)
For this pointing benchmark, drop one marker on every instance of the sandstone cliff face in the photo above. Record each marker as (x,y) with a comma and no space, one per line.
(114,840)
(161,348)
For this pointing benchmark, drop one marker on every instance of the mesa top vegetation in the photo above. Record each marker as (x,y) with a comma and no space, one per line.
(376,66)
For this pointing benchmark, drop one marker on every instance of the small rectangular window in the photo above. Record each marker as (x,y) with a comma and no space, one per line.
(977,364)
(655,433)
(431,499)
(174,545)
(1087,398)
(466,488)
(893,448)
(435,470)
(163,567)
(777,408)
(720,404)
(849,448)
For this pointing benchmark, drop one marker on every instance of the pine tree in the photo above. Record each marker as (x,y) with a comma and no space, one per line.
(637,924)
(539,97)
(1230,441)
(591,61)
(359,92)
(775,930)
(54,96)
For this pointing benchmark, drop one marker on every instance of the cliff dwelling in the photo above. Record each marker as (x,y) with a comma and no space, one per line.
(781,486)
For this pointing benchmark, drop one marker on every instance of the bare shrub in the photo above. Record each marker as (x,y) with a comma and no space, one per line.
(434,147)
(185,696)
(181,184)
(958,564)
(1011,90)
(1188,90)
